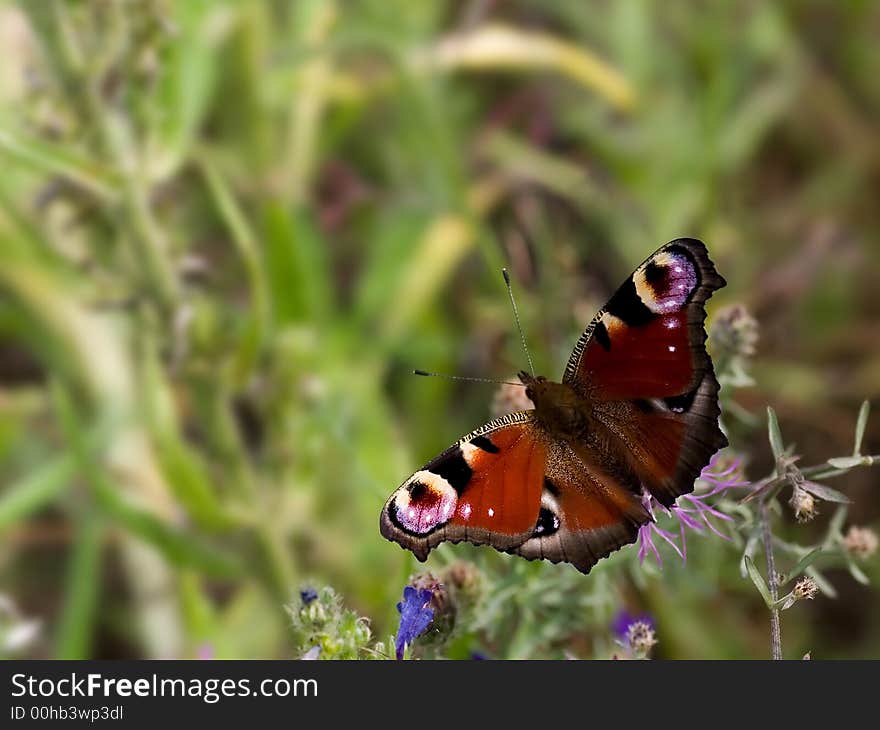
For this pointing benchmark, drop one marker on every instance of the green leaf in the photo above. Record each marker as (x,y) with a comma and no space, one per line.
(800,566)
(775,435)
(846,462)
(861,424)
(76,625)
(857,573)
(179,547)
(758,580)
(36,490)
(835,525)
(186,84)
(61,160)
(299,277)
(243,238)
(826,493)
(749,551)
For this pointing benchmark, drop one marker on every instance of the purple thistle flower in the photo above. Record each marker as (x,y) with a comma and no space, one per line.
(635,633)
(415,616)
(649,530)
(622,622)
(691,511)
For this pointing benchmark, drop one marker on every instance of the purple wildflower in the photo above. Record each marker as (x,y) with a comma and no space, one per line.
(415,616)
(622,622)
(692,511)
(635,633)
(307,595)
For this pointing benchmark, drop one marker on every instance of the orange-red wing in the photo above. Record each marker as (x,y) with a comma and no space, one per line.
(587,513)
(504,492)
(509,486)
(649,340)
(485,489)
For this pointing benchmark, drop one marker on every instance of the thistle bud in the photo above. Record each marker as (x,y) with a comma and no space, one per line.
(641,638)
(804,505)
(734,335)
(805,588)
(860,542)
(441,603)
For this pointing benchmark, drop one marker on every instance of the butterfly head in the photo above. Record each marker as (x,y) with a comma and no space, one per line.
(529,380)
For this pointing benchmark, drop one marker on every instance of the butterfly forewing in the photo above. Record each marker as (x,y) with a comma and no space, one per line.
(485,489)
(644,354)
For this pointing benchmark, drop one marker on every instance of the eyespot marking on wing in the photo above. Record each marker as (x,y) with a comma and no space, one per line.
(423,503)
(665,283)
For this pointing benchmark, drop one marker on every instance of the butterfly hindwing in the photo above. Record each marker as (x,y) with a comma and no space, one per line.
(643,362)
(586,513)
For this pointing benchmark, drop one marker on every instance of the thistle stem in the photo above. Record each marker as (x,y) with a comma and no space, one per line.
(775,635)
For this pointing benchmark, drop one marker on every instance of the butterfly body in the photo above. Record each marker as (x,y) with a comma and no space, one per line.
(636,414)
(560,411)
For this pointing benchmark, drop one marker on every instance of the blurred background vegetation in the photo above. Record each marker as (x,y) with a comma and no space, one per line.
(229,231)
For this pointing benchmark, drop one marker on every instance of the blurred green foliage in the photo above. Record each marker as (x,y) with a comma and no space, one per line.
(229,230)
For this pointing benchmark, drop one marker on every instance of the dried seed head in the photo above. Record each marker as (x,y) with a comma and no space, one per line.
(641,638)
(803,504)
(735,330)
(805,588)
(860,542)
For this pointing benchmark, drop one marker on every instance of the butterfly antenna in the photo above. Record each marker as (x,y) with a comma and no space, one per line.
(426,374)
(516,317)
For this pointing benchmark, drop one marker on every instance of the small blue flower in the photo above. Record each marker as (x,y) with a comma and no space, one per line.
(307,595)
(415,616)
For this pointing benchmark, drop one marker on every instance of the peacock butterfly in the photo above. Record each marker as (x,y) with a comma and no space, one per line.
(636,413)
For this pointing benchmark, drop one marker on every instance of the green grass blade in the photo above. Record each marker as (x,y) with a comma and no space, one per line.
(38,489)
(78,615)
(775,434)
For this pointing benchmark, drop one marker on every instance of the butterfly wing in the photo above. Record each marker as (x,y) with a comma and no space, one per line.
(642,361)
(586,513)
(510,486)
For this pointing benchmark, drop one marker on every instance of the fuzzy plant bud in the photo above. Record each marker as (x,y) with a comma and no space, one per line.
(442,603)
(466,584)
(804,505)
(734,336)
(805,588)
(860,542)
(737,330)
(641,638)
